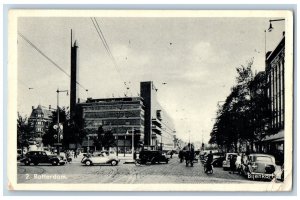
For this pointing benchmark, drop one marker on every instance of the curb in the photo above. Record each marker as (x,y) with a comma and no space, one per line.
(129,162)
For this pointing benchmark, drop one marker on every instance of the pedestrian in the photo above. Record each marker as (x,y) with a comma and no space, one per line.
(180,155)
(209,162)
(75,153)
(134,155)
(232,164)
(171,154)
(238,163)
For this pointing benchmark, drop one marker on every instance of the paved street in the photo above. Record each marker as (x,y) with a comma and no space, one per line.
(174,172)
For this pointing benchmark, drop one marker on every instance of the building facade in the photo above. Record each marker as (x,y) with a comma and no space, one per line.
(275,63)
(121,116)
(143,116)
(159,128)
(39,120)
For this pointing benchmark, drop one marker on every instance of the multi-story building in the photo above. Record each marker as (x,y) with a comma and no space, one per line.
(39,119)
(159,128)
(119,115)
(142,116)
(275,63)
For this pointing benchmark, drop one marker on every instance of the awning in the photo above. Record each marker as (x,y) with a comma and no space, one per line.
(278,140)
(275,137)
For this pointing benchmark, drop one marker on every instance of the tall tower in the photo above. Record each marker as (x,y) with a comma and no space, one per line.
(74,72)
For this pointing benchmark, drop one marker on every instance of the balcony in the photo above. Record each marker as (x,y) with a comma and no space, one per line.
(156,129)
(156,122)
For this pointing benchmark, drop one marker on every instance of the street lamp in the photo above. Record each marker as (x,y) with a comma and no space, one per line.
(132,143)
(58,127)
(273,20)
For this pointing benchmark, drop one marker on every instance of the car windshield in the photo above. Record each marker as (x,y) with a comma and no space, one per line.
(263,159)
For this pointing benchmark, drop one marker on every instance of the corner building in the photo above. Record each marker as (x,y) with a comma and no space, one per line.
(142,116)
(275,64)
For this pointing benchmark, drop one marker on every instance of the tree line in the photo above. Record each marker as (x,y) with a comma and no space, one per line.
(244,116)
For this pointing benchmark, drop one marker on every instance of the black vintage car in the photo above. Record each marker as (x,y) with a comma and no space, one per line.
(37,157)
(152,156)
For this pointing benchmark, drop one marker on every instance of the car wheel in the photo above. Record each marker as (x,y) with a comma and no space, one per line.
(114,163)
(88,163)
(54,162)
(36,163)
(27,162)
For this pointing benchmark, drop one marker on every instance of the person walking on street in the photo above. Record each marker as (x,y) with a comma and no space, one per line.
(238,163)
(75,153)
(232,164)
(209,162)
(180,155)
(134,155)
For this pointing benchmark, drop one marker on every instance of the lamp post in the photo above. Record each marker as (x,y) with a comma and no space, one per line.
(132,150)
(273,20)
(88,147)
(58,127)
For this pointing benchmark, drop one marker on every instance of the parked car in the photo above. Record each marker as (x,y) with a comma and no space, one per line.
(218,159)
(100,158)
(153,156)
(226,162)
(19,154)
(261,166)
(37,157)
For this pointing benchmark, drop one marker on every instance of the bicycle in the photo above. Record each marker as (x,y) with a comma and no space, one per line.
(208,170)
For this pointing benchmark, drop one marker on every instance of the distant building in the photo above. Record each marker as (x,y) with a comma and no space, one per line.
(275,63)
(159,128)
(120,115)
(39,119)
(152,127)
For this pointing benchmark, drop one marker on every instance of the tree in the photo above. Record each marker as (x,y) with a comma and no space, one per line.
(24,131)
(238,118)
(51,136)
(73,129)
(104,139)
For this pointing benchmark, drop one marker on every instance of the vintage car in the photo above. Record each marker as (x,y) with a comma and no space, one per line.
(152,156)
(261,166)
(100,158)
(37,157)
(226,162)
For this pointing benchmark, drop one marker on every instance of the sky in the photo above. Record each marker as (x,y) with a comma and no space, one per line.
(195,57)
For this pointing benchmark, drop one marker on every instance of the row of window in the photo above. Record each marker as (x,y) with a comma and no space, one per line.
(115,122)
(276,93)
(111,114)
(112,107)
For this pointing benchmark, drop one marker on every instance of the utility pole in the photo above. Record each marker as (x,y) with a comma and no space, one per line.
(59,129)
(132,142)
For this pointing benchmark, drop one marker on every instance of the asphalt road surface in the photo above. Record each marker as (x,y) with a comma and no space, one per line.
(173,172)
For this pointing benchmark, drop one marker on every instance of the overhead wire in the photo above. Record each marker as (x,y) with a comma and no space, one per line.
(49,59)
(107,48)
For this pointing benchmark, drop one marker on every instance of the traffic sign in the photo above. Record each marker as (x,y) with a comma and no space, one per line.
(57,144)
